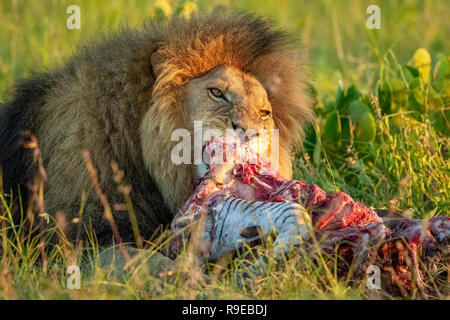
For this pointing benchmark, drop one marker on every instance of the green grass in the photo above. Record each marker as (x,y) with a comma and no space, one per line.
(405,168)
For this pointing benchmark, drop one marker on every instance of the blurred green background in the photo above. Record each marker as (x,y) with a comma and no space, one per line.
(34,35)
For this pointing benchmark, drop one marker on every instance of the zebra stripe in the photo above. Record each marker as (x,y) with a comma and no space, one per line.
(233,215)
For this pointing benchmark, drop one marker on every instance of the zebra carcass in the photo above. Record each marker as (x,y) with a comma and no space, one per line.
(238,202)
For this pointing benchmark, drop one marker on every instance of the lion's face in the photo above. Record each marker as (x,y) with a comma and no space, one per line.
(227,98)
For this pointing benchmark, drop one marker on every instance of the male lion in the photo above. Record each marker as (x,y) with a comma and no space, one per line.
(122,97)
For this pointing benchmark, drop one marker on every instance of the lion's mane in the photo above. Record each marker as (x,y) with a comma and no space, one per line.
(122,97)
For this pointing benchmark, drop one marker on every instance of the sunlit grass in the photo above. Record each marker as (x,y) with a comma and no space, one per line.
(408,168)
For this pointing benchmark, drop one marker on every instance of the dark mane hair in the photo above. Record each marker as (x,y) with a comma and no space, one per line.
(121,96)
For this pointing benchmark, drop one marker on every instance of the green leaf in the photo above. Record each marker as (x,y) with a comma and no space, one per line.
(329,106)
(442,68)
(414,72)
(352,94)
(399,95)
(396,85)
(363,122)
(384,97)
(344,97)
(408,74)
(435,100)
(332,130)
(416,97)
(392,95)
(441,120)
(346,134)
(441,72)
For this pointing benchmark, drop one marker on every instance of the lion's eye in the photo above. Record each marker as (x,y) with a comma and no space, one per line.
(217,94)
(264,114)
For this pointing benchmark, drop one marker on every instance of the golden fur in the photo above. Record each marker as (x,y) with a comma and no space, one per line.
(120,98)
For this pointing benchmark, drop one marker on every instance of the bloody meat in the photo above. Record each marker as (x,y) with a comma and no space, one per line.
(234,191)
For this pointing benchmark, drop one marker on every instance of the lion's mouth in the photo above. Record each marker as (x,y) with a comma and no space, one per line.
(241,139)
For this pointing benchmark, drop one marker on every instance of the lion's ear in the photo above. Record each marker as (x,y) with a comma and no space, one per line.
(156,60)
